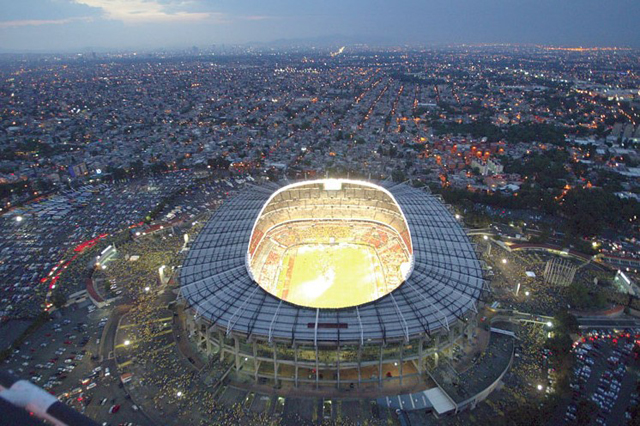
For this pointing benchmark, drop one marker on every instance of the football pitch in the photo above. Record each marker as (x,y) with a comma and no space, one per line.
(330,275)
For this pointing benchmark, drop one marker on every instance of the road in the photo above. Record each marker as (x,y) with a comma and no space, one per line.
(618,323)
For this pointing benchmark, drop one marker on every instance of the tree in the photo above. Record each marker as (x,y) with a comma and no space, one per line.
(581,297)
(565,322)
(398,175)
(585,412)
(159,167)
(272,174)
(59,299)
(118,173)
(136,167)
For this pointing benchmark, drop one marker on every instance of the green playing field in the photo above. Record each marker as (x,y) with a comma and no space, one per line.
(330,275)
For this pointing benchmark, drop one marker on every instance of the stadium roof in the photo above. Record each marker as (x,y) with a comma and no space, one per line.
(445,283)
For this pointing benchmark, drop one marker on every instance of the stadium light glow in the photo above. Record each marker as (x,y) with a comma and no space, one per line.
(335,261)
(332,185)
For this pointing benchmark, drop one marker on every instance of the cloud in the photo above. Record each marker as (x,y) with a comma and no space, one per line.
(141,11)
(38,22)
(259,17)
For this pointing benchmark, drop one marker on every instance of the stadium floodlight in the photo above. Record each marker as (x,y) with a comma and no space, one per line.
(332,185)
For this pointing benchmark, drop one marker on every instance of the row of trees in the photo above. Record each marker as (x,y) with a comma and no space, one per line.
(136,169)
(524,132)
(587,212)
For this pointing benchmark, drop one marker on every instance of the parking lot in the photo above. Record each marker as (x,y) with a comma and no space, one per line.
(62,357)
(605,378)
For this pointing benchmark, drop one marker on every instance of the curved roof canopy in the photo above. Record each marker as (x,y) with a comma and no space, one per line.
(443,287)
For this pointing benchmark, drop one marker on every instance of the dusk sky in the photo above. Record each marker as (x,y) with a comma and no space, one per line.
(65,25)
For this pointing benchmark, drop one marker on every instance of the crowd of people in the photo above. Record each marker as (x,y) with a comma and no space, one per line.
(531,293)
(139,261)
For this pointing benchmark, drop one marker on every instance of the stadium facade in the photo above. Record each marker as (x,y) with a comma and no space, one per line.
(418,303)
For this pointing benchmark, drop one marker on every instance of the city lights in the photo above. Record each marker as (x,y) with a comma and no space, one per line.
(290,208)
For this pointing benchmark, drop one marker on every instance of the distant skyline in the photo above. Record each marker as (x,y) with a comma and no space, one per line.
(78,25)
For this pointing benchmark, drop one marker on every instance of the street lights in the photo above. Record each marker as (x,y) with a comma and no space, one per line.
(540,387)
(504,261)
(127,342)
(527,293)
(485,237)
(19,219)
(179,394)
(146,289)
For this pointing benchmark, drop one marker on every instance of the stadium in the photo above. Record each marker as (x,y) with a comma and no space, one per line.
(331,283)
